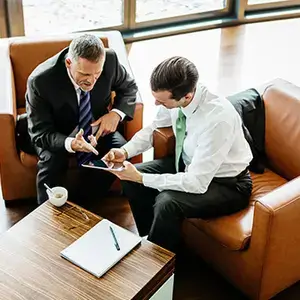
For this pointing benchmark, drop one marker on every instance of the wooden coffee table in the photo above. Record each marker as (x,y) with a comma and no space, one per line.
(31,266)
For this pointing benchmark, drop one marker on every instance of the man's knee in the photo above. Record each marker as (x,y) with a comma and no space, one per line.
(128,188)
(50,159)
(113,140)
(165,203)
(119,141)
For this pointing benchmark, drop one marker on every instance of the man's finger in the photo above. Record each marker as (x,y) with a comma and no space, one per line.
(105,132)
(96,123)
(94,150)
(111,155)
(105,157)
(126,164)
(91,148)
(79,134)
(99,133)
(93,140)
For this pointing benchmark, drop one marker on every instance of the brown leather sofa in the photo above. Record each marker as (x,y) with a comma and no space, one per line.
(258,249)
(18,57)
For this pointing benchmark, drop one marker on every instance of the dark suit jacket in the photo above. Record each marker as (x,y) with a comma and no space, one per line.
(52,105)
(250,107)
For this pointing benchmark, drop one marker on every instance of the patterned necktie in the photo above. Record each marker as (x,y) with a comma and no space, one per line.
(180,135)
(85,120)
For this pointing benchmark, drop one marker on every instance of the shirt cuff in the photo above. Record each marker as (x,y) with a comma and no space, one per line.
(129,148)
(120,113)
(68,142)
(150,180)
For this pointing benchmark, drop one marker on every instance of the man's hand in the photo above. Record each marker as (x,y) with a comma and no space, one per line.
(115,155)
(107,124)
(79,144)
(129,173)
(93,140)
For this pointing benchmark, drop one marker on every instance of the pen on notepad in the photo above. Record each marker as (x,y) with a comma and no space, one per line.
(114,237)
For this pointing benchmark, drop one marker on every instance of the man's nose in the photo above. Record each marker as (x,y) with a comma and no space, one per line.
(92,79)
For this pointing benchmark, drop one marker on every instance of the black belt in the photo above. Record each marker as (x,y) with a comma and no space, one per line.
(243,173)
(231,181)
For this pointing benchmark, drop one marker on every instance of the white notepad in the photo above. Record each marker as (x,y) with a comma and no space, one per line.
(95,251)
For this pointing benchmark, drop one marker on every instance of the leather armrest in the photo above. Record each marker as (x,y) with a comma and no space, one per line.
(7,88)
(17,181)
(9,160)
(280,198)
(276,236)
(163,142)
(136,124)
(277,83)
(8,149)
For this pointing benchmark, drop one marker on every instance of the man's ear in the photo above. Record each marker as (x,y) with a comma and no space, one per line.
(188,96)
(68,62)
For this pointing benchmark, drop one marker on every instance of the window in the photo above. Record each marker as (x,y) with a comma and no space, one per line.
(147,10)
(62,16)
(137,19)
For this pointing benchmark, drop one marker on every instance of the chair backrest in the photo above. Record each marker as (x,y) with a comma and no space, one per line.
(27,53)
(282,136)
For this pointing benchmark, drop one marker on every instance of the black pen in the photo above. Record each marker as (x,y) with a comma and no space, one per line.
(115,239)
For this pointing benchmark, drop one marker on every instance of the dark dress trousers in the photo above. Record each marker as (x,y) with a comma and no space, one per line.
(52,112)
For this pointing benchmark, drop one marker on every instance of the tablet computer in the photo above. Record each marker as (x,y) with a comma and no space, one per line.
(103,165)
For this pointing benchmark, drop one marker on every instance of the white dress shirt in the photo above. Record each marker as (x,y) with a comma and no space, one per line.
(214,145)
(68,140)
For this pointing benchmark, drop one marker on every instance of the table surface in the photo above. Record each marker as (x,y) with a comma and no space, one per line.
(31,266)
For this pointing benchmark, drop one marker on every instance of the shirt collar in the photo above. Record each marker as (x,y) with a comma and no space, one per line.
(199,97)
(76,86)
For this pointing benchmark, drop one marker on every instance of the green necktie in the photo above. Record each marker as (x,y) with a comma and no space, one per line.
(180,135)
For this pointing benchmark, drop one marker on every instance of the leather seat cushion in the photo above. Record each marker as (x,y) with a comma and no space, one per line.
(234,231)
(30,161)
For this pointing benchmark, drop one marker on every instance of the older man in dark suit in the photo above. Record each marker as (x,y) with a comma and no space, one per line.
(67,103)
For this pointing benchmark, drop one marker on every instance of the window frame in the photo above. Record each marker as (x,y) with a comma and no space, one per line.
(272,5)
(236,12)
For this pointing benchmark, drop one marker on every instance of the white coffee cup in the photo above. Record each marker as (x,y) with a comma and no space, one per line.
(59,196)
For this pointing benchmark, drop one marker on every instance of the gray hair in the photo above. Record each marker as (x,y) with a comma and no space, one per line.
(86,46)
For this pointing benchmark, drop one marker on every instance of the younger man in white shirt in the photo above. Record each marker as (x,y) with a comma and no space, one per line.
(206,178)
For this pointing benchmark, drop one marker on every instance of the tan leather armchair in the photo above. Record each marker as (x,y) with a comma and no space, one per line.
(258,248)
(18,58)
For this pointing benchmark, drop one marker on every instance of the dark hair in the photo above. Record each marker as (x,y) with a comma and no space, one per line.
(86,46)
(177,75)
